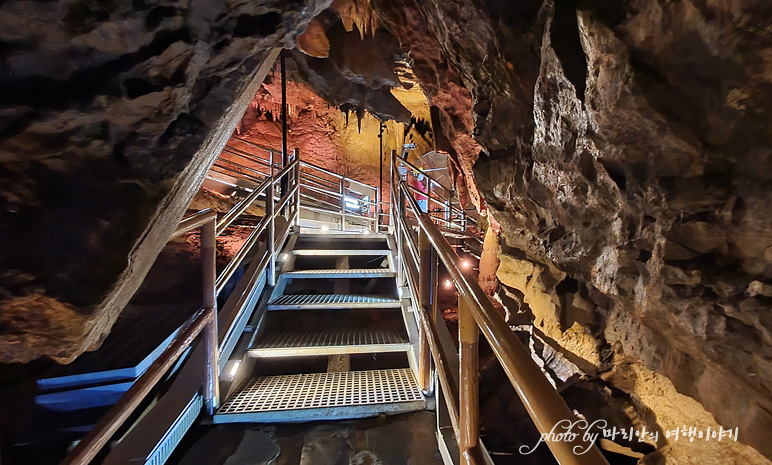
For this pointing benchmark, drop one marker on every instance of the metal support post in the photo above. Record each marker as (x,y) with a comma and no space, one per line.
(427,295)
(343,203)
(469,407)
(208,261)
(271,225)
(284,130)
(296,182)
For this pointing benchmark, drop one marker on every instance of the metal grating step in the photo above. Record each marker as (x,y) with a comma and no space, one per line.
(321,396)
(334,252)
(332,342)
(326,236)
(355,273)
(331,301)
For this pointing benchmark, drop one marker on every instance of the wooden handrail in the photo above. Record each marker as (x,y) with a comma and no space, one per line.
(203,320)
(543,403)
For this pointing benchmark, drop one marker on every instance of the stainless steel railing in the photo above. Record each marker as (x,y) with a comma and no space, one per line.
(338,198)
(204,321)
(418,262)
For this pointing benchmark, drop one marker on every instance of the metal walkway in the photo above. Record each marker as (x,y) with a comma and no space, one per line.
(335,334)
(341,391)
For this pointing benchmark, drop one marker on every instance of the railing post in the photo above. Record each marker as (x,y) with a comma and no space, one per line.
(296,179)
(469,407)
(393,221)
(448,206)
(343,203)
(377,209)
(399,212)
(269,210)
(208,260)
(427,275)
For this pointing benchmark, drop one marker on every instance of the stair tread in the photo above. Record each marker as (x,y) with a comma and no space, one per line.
(328,252)
(330,342)
(347,273)
(322,236)
(331,299)
(324,390)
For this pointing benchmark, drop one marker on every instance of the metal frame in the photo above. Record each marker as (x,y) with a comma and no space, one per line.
(420,239)
(477,315)
(204,322)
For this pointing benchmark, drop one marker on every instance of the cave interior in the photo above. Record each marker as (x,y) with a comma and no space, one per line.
(615,159)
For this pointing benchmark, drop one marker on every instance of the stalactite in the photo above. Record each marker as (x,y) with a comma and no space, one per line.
(357,13)
(360,115)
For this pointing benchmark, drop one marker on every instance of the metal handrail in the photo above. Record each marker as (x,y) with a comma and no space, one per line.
(229,149)
(336,175)
(96,439)
(261,147)
(545,406)
(220,162)
(241,207)
(336,195)
(431,181)
(205,320)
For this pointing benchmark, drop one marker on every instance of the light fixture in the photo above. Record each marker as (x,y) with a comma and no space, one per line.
(325,228)
(466,264)
(448,284)
(285,256)
(235,368)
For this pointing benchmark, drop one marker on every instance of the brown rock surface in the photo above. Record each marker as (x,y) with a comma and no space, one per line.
(626,159)
(626,155)
(111,114)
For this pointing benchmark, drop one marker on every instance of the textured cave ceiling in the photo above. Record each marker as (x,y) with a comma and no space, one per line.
(621,150)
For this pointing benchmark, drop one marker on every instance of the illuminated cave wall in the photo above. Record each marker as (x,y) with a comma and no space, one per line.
(340,141)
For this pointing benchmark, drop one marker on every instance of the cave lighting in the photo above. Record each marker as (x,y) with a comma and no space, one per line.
(465,264)
(352,203)
(235,368)
(448,284)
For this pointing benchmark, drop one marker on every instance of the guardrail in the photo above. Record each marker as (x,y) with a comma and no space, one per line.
(418,265)
(205,320)
(337,198)
(344,200)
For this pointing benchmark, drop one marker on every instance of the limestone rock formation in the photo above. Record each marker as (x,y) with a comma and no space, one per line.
(626,159)
(111,114)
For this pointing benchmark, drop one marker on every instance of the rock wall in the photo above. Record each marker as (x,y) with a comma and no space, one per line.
(340,141)
(626,158)
(625,203)
(111,113)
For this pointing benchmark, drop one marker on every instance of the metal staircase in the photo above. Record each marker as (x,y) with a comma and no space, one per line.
(328,325)
(341,392)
